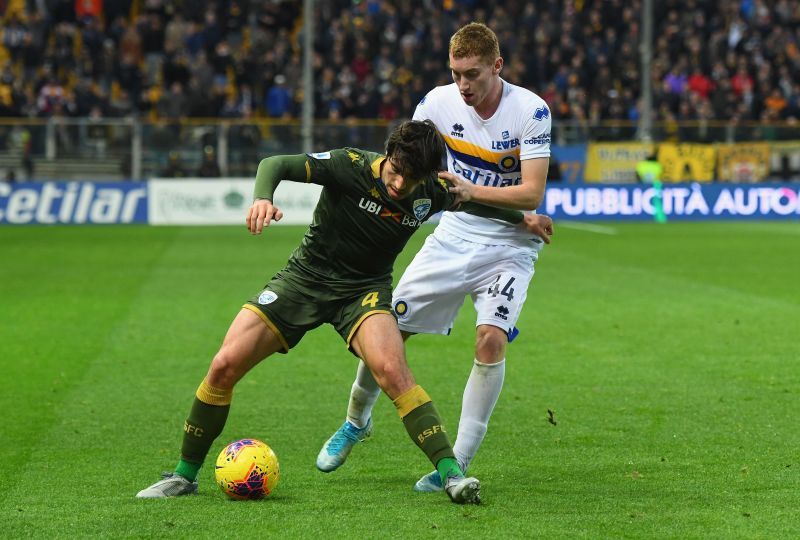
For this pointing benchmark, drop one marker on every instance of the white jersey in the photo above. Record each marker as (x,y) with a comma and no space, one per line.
(488,152)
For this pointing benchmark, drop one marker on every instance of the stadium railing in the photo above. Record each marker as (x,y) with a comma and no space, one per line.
(63,148)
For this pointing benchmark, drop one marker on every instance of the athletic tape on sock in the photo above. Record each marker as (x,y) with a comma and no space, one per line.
(213,396)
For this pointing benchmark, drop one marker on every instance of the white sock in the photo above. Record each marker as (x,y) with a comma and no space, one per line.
(480,396)
(363,395)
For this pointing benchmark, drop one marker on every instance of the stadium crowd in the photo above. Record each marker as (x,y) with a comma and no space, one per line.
(712,59)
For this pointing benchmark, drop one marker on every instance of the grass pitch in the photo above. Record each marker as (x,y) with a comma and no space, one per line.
(668,356)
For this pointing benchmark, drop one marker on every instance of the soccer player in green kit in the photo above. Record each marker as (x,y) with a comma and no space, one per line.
(340,274)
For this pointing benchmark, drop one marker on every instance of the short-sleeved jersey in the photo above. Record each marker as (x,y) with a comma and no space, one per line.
(488,152)
(358,230)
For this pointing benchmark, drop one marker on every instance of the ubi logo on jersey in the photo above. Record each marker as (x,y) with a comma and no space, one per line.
(370,206)
(377,209)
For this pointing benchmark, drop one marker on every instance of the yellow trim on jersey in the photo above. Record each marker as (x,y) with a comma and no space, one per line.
(376,166)
(477,151)
(410,400)
(308,172)
(212,395)
(269,324)
(361,320)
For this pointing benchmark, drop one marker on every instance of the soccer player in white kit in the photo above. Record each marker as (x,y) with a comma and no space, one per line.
(497,136)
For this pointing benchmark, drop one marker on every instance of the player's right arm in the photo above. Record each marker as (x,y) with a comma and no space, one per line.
(270,172)
(334,169)
(538,224)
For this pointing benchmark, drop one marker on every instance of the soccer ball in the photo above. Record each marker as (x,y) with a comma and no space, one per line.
(247,469)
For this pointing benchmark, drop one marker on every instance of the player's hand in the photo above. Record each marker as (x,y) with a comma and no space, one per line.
(540,225)
(458,187)
(262,212)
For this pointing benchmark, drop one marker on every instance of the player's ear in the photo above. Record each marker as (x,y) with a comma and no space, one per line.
(498,65)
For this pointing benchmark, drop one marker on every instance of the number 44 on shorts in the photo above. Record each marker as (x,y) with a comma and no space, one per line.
(507,290)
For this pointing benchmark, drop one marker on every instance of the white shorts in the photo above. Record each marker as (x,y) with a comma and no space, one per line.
(448,268)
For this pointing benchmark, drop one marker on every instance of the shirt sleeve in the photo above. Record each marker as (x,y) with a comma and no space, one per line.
(333,168)
(273,169)
(420,113)
(536,132)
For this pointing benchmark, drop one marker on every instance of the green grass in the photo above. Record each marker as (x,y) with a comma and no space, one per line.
(669,356)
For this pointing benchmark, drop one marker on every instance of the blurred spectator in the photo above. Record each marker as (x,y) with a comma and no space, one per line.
(279,99)
(209,168)
(699,83)
(775,102)
(174,168)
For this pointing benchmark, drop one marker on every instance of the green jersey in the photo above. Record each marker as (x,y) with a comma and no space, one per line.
(358,230)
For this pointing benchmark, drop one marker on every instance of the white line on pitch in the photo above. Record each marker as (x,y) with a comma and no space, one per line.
(591,227)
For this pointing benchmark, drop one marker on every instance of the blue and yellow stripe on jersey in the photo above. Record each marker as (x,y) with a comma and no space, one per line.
(472,154)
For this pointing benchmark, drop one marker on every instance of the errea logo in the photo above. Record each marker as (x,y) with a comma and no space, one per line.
(458,131)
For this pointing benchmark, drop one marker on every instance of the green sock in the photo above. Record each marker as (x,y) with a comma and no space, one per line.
(188,470)
(204,424)
(448,467)
(425,427)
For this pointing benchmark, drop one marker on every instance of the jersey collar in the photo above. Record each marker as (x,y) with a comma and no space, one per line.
(376,166)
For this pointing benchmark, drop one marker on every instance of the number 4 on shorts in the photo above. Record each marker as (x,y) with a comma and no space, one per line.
(370,300)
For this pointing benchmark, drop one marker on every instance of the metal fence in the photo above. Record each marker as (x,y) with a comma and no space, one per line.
(138,149)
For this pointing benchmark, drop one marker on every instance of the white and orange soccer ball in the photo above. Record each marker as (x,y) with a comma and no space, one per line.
(247,469)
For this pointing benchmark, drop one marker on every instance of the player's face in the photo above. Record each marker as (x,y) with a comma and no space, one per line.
(396,186)
(475,78)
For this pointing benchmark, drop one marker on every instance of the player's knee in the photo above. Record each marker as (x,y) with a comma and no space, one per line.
(224,371)
(393,376)
(490,344)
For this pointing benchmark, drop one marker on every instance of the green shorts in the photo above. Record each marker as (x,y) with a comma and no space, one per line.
(291,304)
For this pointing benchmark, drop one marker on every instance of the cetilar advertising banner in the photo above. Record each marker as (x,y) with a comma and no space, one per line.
(53,203)
(690,201)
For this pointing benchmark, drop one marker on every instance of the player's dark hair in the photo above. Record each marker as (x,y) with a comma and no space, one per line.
(416,149)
